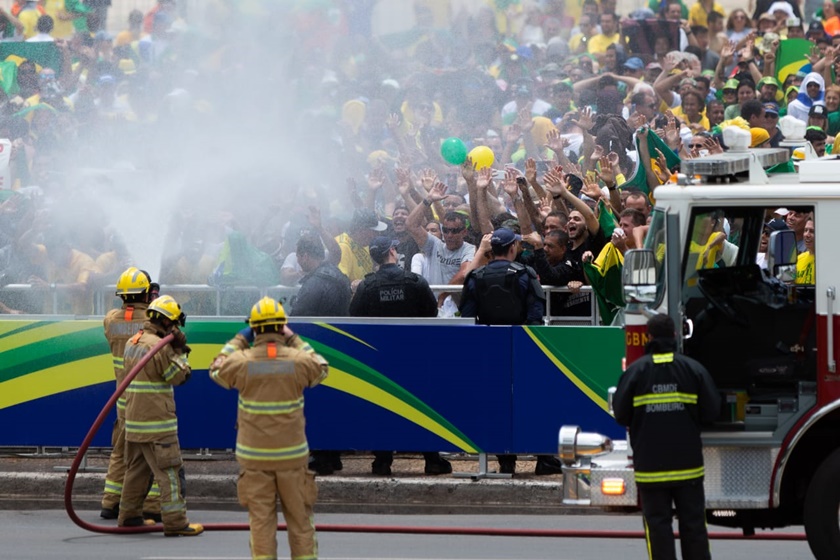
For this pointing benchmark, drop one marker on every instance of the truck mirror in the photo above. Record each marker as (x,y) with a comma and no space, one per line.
(781,255)
(639,276)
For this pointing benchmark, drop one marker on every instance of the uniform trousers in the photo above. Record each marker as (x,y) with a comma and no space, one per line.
(258,491)
(116,474)
(162,459)
(658,503)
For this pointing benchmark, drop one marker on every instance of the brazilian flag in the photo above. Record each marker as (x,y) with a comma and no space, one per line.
(792,57)
(604,275)
(638,179)
(607,219)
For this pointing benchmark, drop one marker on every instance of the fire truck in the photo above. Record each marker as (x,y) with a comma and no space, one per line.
(772,458)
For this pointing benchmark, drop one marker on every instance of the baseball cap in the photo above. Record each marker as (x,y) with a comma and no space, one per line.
(654,66)
(816,27)
(731,83)
(817,111)
(766,16)
(380,246)
(771,107)
(776,224)
(366,218)
(782,212)
(503,237)
(634,63)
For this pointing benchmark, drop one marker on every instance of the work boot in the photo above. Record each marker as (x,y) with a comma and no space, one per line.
(110,513)
(136,522)
(380,468)
(439,466)
(320,467)
(156,517)
(546,464)
(507,464)
(191,530)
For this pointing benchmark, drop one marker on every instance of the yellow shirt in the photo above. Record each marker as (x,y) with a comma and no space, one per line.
(805,265)
(355,259)
(29,20)
(704,121)
(697,14)
(598,44)
(61,29)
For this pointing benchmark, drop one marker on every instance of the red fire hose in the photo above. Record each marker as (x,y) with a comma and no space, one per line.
(474,531)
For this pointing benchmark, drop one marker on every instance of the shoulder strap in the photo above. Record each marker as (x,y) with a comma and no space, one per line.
(129,313)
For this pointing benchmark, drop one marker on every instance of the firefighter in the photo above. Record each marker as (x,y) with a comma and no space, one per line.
(271,445)
(151,427)
(136,290)
(663,398)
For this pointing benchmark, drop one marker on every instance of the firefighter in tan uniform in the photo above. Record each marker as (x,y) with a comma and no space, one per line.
(271,444)
(151,427)
(136,290)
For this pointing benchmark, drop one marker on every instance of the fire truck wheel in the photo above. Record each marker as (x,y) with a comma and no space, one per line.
(822,509)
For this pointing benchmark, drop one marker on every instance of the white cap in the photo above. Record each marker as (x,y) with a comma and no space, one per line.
(782,211)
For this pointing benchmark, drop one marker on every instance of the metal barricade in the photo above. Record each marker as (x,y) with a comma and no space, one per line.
(104,299)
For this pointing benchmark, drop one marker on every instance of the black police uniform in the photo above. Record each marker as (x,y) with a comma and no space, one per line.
(663,398)
(324,292)
(394,292)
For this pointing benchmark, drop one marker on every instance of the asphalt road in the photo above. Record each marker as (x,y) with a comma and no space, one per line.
(48,534)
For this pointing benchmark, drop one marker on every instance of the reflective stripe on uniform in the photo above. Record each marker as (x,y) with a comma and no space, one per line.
(307,557)
(214,375)
(121,403)
(151,427)
(661,398)
(669,476)
(276,407)
(113,487)
(663,358)
(272,454)
(229,349)
(149,387)
(171,371)
(119,363)
(154,491)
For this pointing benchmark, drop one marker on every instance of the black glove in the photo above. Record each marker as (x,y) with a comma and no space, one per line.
(179,341)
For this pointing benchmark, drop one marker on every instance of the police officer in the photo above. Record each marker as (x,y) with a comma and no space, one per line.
(271,445)
(151,426)
(136,290)
(505,292)
(394,292)
(663,398)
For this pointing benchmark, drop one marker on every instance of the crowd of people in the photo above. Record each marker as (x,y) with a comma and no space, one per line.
(150,144)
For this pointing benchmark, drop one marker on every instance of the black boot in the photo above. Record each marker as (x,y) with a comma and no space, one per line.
(547,464)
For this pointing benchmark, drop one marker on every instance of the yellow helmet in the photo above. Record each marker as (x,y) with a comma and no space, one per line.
(133,281)
(166,306)
(267,312)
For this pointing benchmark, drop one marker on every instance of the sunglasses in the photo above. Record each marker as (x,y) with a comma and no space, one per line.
(452,229)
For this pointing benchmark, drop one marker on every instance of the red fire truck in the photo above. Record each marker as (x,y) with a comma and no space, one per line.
(773,457)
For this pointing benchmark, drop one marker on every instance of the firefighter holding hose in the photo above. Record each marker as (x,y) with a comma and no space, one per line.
(271,445)
(136,290)
(151,427)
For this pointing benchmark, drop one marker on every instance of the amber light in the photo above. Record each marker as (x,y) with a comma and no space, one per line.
(612,486)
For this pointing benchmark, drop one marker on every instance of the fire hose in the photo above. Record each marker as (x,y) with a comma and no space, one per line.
(384,529)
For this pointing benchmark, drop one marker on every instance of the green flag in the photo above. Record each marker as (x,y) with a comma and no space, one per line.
(606,218)
(638,180)
(43,53)
(792,57)
(8,77)
(604,275)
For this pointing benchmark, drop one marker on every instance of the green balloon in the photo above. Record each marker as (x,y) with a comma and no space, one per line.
(454,151)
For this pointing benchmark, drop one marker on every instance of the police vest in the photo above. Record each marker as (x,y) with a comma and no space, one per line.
(499,298)
(392,297)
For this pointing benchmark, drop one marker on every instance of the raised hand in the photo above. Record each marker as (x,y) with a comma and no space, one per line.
(555,182)
(393,122)
(591,189)
(524,119)
(428,178)
(375,179)
(403,180)
(545,207)
(484,178)
(584,119)
(606,173)
(509,184)
(468,170)
(530,170)
(556,142)
(513,133)
(437,192)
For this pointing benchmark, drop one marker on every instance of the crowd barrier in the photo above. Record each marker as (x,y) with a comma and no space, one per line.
(410,385)
(104,299)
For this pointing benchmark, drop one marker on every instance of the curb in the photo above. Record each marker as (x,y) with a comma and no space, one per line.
(336,494)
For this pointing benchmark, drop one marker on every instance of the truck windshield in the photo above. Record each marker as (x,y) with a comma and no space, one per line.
(655,241)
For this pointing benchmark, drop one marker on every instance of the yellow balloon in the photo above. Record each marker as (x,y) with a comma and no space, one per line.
(482,157)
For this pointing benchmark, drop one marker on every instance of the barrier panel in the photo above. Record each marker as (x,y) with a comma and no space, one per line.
(433,384)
